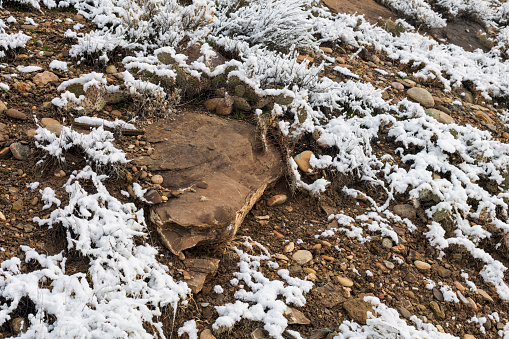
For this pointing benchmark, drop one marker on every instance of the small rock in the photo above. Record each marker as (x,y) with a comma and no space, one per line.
(436,309)
(206,334)
(468,336)
(462,298)
(484,117)
(405,211)
(386,243)
(49,121)
(17,205)
(326,49)
(157,179)
(116,113)
(28,228)
(111,69)
(459,286)
(211,104)
(422,96)
(258,334)
(47,105)
(2,217)
(344,281)
(312,277)
(302,161)
(289,247)
(31,132)
(279,256)
(55,129)
(44,78)
(421,265)
(483,294)
(404,312)
(295,316)
(301,58)
(20,151)
(438,294)
(302,257)
(15,114)
(444,272)
(389,264)
(3,107)
(358,309)
(5,153)
(309,270)
(153,196)
(34,201)
(277,200)
(440,116)
(397,86)
(328,258)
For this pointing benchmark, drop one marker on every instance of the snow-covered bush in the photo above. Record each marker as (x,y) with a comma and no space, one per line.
(125,288)
(418,10)
(276,25)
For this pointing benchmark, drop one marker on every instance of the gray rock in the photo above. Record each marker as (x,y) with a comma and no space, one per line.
(422,96)
(397,86)
(386,243)
(440,116)
(111,69)
(20,151)
(438,294)
(405,211)
(404,312)
(302,257)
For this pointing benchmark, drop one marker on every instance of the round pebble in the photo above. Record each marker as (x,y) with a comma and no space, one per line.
(157,179)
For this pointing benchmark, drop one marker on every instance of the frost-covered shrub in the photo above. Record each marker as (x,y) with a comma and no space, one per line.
(125,288)
(276,25)
(418,10)
(9,42)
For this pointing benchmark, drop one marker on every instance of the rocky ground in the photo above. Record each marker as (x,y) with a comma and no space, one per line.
(287,225)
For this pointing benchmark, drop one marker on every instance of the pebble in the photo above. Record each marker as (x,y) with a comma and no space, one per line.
(207,334)
(15,114)
(440,116)
(444,272)
(111,69)
(397,86)
(404,312)
(485,295)
(405,211)
(153,196)
(258,334)
(34,201)
(302,161)
(326,243)
(49,121)
(17,205)
(309,270)
(326,49)
(386,243)
(468,336)
(44,78)
(421,265)
(3,107)
(328,258)
(116,113)
(422,96)
(277,200)
(279,256)
(459,286)
(157,179)
(289,247)
(277,234)
(484,117)
(389,264)
(344,281)
(302,257)
(2,217)
(20,151)
(312,277)
(55,129)
(438,294)
(436,309)
(317,246)
(381,267)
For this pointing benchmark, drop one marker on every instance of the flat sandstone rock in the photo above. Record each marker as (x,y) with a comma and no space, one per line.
(193,149)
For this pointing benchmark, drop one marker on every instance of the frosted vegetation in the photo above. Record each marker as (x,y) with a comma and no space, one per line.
(462,170)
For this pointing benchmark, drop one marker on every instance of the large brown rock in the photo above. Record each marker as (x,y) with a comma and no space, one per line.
(195,148)
(200,270)
(358,309)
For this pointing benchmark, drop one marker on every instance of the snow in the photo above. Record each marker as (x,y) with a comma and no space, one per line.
(58,65)
(28,69)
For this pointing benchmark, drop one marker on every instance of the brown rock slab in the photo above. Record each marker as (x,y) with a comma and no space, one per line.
(294,316)
(358,309)
(20,151)
(200,270)
(333,295)
(44,78)
(222,153)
